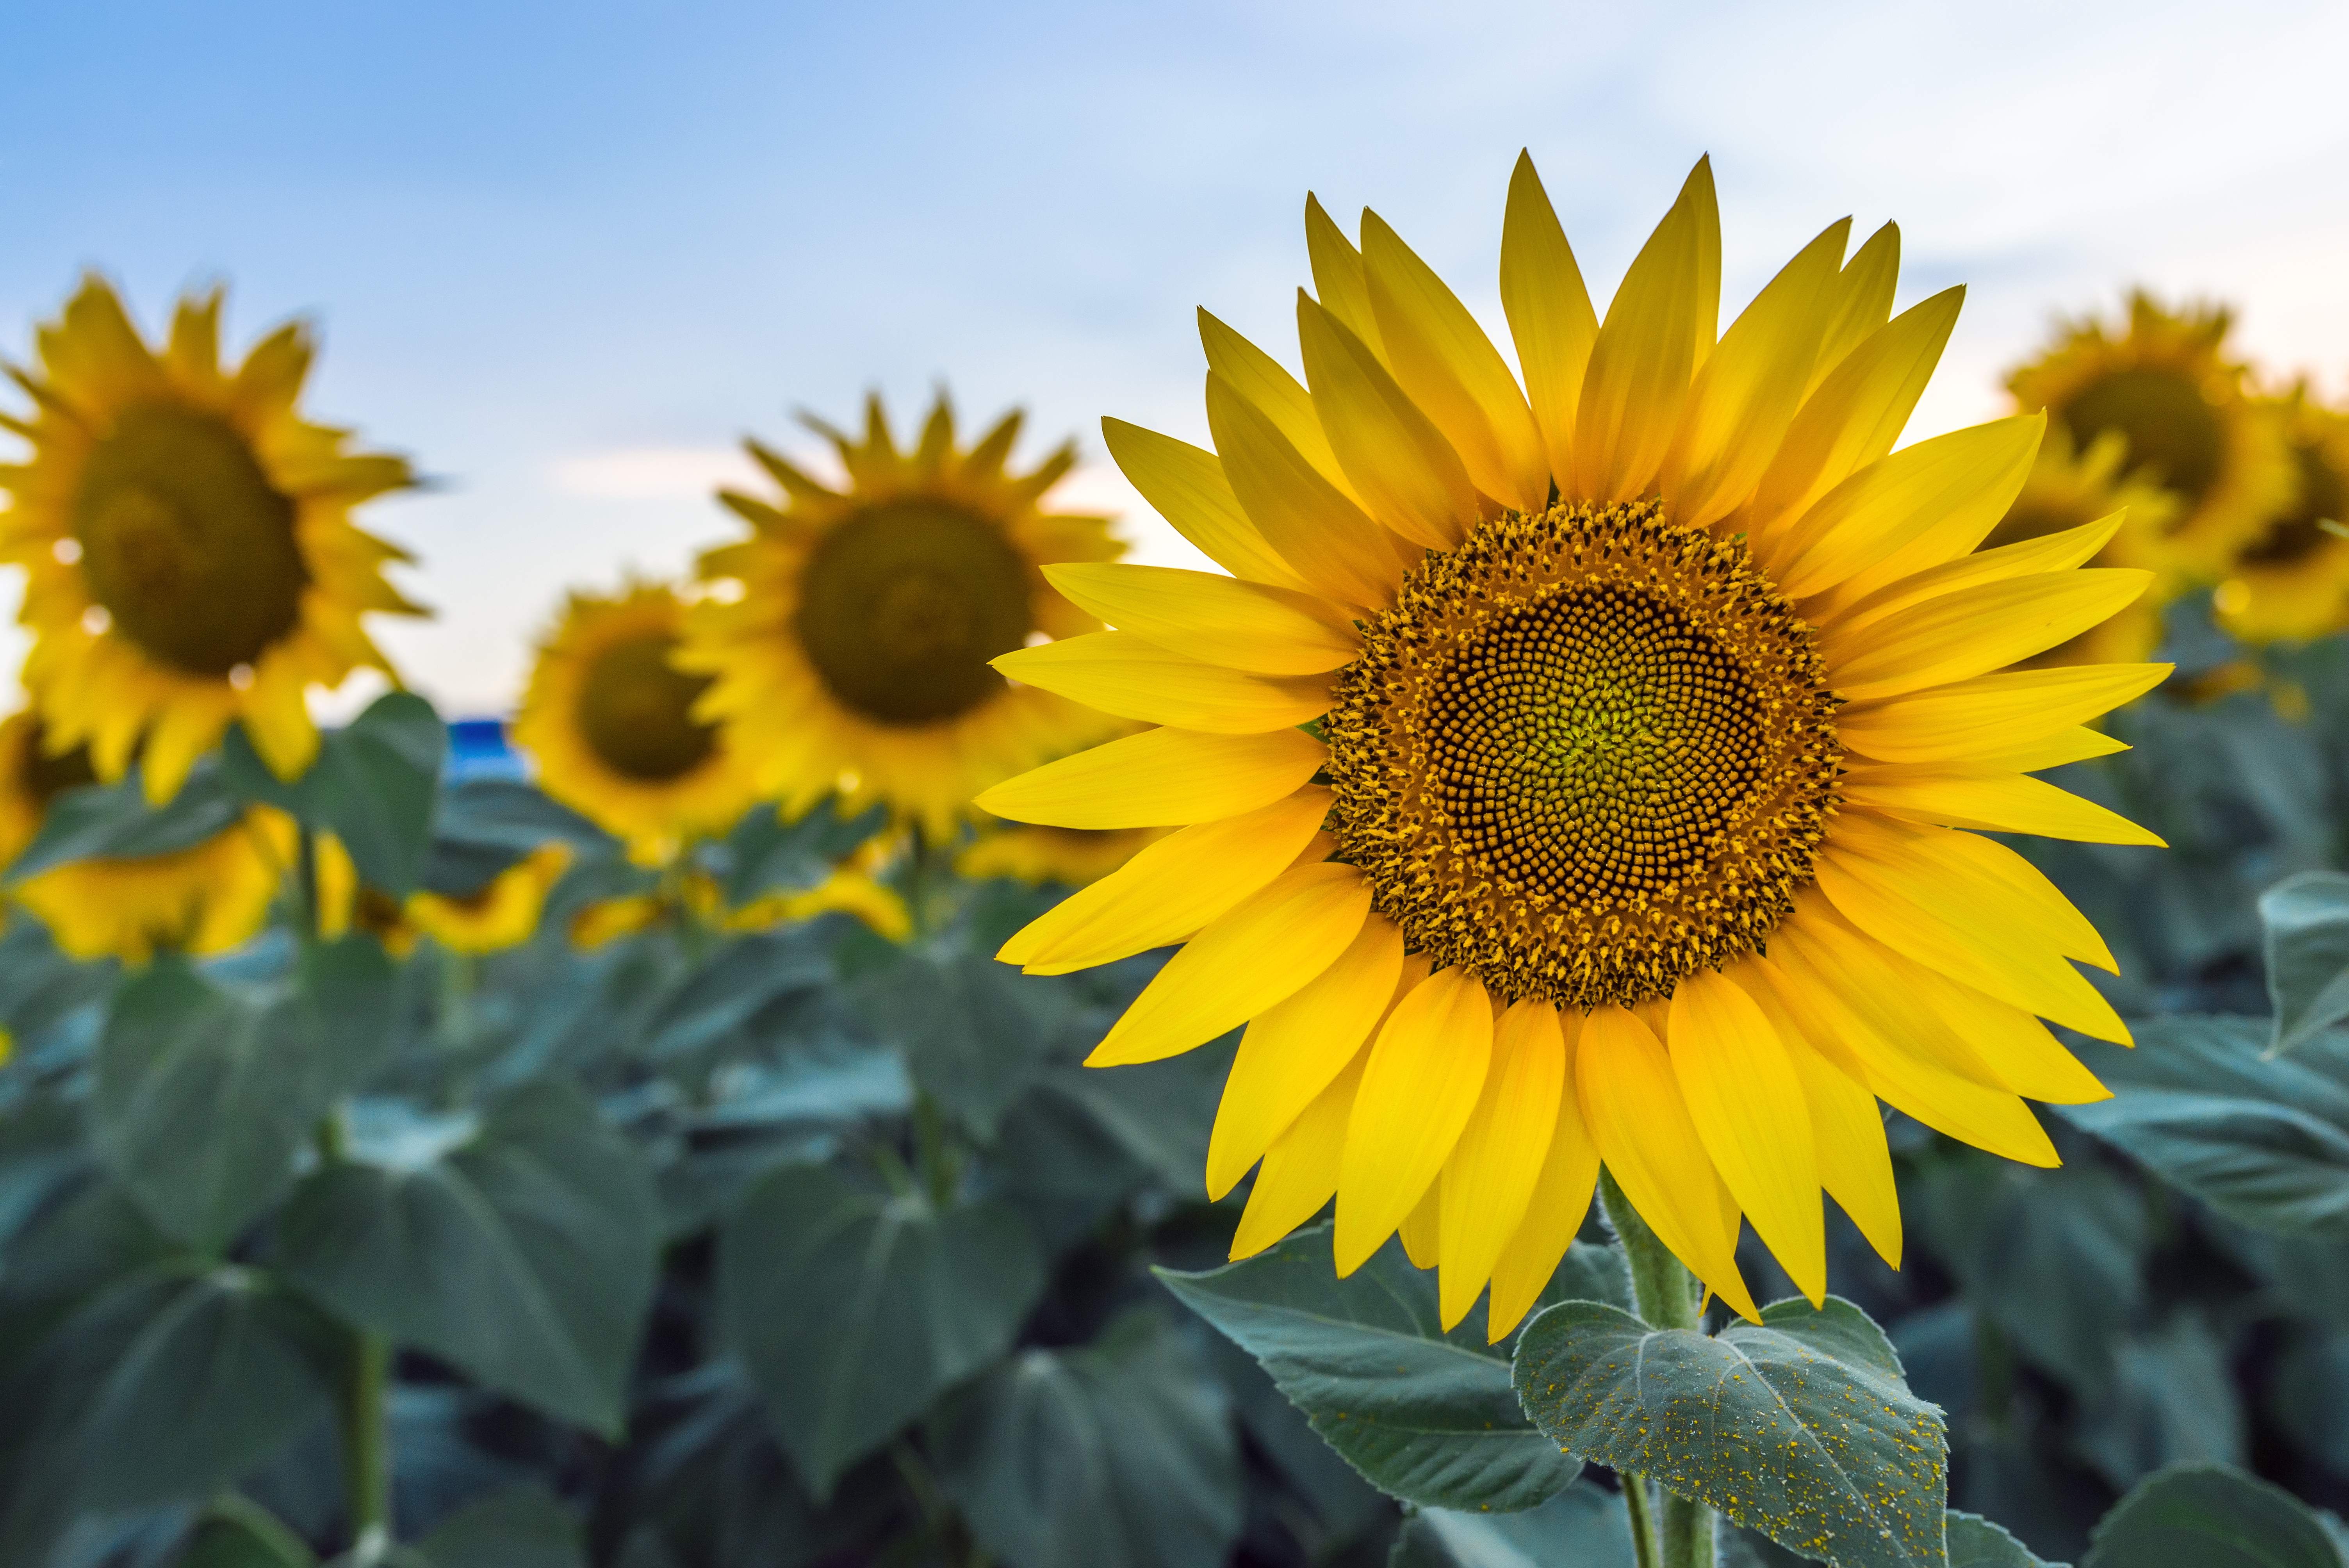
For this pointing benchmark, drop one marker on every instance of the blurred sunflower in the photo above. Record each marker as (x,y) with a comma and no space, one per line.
(1071,857)
(609,716)
(850,635)
(1571,774)
(2168,386)
(186,538)
(205,899)
(2292,582)
(2067,491)
(502,912)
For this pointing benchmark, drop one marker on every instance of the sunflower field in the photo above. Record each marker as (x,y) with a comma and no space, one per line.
(1647,976)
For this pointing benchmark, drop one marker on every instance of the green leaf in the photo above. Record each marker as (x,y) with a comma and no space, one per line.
(724,993)
(2307,922)
(112,821)
(1585,1526)
(2264,1141)
(204,1093)
(526,1255)
(855,1310)
(2211,1516)
(1801,1427)
(1976,1543)
(1425,1416)
(237,1532)
(1120,1452)
(2174,1402)
(482,826)
(523,1527)
(974,1031)
(763,854)
(372,786)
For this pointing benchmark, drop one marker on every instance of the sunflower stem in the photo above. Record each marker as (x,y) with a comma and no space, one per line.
(1668,1297)
(365,1395)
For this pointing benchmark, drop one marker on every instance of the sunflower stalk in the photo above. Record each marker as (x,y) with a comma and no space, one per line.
(365,1390)
(1667,1531)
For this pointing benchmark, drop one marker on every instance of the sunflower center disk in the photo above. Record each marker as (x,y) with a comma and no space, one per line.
(2300,533)
(185,543)
(1586,754)
(903,605)
(2171,428)
(636,710)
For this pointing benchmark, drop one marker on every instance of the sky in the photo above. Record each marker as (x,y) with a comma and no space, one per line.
(566,256)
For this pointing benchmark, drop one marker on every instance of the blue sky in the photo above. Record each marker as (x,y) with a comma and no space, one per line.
(567,255)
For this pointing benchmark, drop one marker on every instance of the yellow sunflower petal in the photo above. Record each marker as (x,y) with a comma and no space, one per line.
(1419,1083)
(1856,606)
(1742,401)
(1561,1197)
(1338,274)
(1240,965)
(1187,487)
(1293,1050)
(2015,1048)
(1748,1106)
(1974,630)
(1991,800)
(1846,1128)
(1452,371)
(2077,744)
(1341,552)
(1407,474)
(1928,503)
(1549,306)
(1856,414)
(1300,1169)
(1221,620)
(1171,888)
(1160,778)
(1965,719)
(1423,1229)
(1646,351)
(1489,1179)
(1863,301)
(1983,869)
(1834,986)
(1133,678)
(1632,1103)
(1267,386)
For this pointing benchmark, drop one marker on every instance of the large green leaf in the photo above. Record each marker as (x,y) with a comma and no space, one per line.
(113,821)
(372,786)
(725,992)
(1801,1427)
(974,1031)
(856,1309)
(1427,1415)
(523,1527)
(763,854)
(2307,922)
(1120,1454)
(525,1255)
(2174,1402)
(2211,1516)
(204,1093)
(2264,1140)
(1976,1543)
(1584,1526)
(236,1533)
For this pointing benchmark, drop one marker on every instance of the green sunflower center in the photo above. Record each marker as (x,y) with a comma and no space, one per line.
(2324,498)
(1587,753)
(185,543)
(636,711)
(2171,428)
(903,605)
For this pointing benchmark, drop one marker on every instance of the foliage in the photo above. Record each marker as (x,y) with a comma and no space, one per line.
(797,1246)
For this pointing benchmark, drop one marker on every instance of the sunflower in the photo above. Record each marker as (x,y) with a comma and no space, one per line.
(849,636)
(2168,386)
(2292,582)
(1071,857)
(1584,773)
(205,899)
(502,912)
(2070,490)
(187,542)
(610,718)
